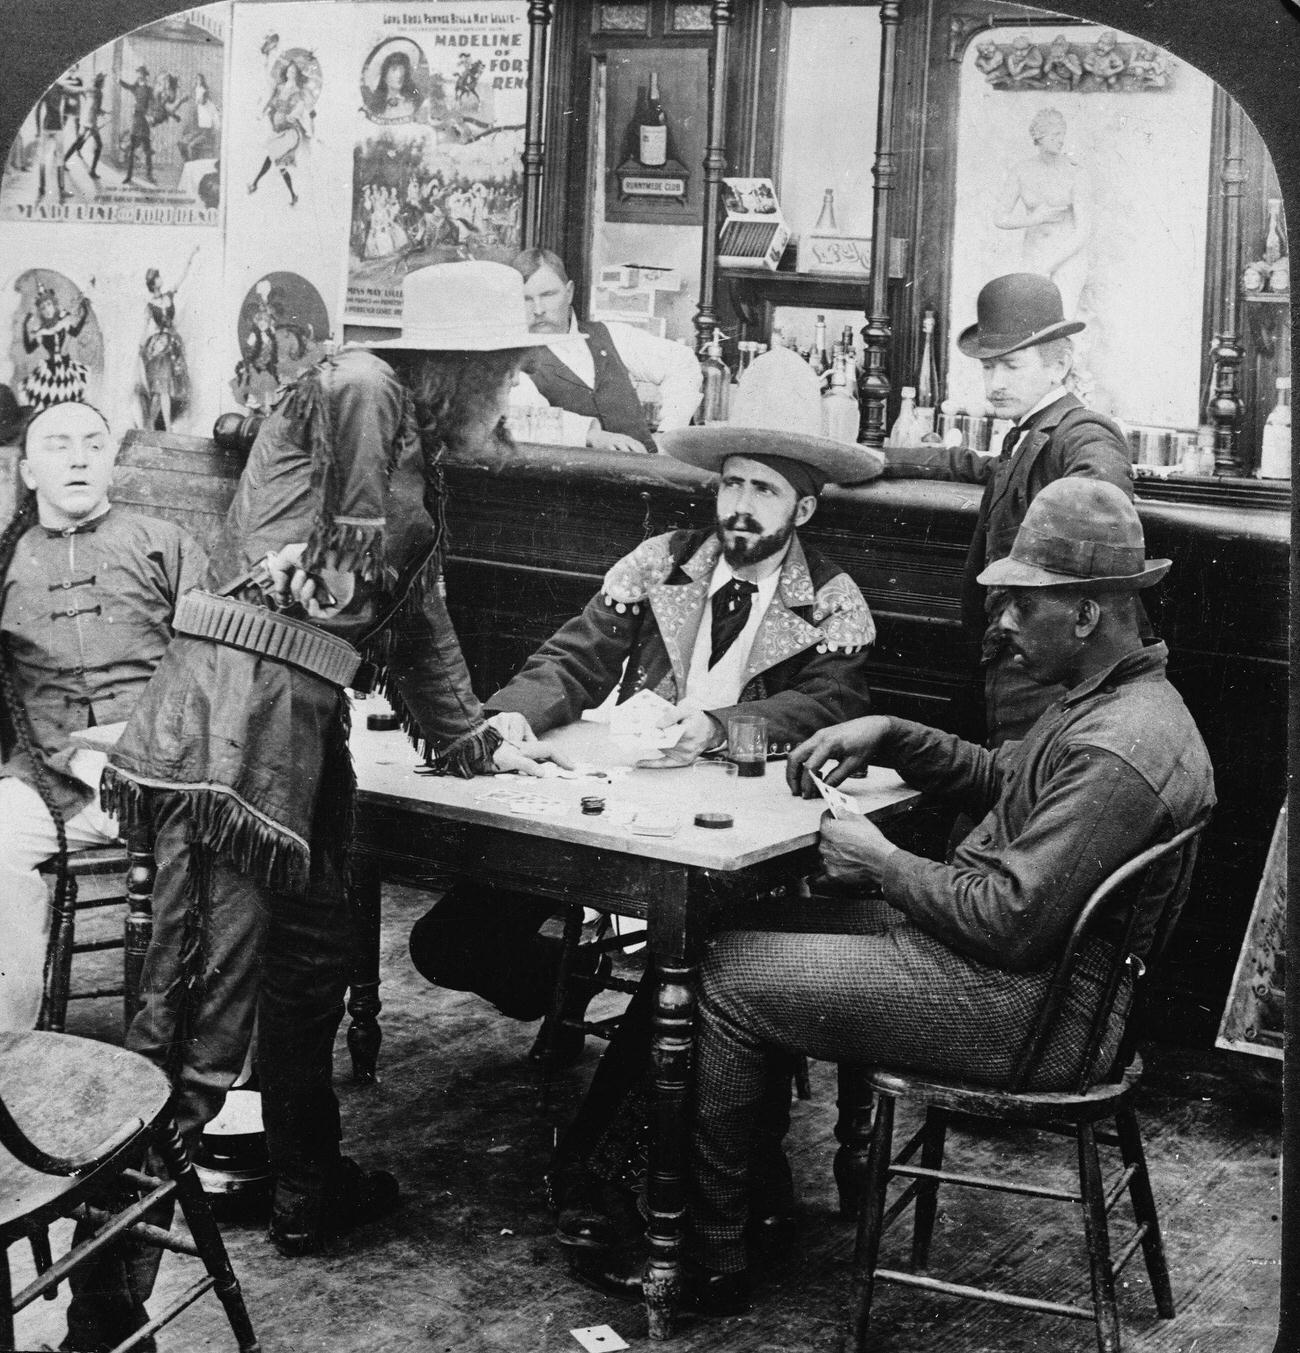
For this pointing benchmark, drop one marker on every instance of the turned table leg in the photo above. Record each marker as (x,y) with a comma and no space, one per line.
(364,1033)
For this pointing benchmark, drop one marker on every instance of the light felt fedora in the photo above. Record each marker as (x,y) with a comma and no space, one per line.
(776,415)
(1017,310)
(459,307)
(1080,533)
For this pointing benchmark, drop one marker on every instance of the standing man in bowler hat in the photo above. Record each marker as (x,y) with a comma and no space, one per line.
(1021,338)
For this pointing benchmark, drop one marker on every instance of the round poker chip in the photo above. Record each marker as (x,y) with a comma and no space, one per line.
(715,821)
(593,803)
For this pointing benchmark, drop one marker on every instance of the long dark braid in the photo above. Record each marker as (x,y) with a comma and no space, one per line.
(16,733)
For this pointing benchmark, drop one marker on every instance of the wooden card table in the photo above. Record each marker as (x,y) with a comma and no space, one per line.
(526,833)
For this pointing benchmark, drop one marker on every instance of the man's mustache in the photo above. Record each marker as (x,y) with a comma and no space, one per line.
(740,522)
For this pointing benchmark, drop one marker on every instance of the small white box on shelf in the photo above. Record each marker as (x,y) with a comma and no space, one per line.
(849,255)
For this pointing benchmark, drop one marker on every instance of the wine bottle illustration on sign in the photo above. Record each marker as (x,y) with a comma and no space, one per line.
(652,129)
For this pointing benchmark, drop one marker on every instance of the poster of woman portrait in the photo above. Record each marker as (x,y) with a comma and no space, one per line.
(437,151)
(283,328)
(1084,155)
(395,83)
(129,133)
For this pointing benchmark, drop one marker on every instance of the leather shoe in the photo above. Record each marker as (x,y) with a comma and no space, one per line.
(593,1214)
(705,1291)
(590,968)
(304,1223)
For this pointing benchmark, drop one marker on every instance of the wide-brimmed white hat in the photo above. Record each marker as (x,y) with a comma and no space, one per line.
(777,413)
(460,307)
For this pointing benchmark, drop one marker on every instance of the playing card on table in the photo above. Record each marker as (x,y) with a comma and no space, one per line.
(636,723)
(839,803)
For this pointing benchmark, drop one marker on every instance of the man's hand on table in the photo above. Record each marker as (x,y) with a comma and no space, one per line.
(853,851)
(700,733)
(853,746)
(528,760)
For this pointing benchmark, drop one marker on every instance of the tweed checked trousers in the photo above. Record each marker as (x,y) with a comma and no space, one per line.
(896,997)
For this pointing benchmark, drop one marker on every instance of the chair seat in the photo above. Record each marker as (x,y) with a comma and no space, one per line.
(99,860)
(1026,1106)
(73,1097)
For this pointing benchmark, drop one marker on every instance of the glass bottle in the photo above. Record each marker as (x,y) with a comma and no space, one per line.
(820,359)
(927,379)
(826,218)
(1274,232)
(904,432)
(840,415)
(653,129)
(1275,443)
(713,407)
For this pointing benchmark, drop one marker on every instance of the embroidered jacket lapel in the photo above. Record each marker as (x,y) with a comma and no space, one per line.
(781,633)
(678,608)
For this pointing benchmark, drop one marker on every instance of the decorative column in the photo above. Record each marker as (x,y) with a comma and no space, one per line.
(1225,408)
(878,331)
(706,317)
(539,24)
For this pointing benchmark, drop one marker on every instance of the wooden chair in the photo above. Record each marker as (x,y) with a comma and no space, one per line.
(111,876)
(1074,1112)
(97,1111)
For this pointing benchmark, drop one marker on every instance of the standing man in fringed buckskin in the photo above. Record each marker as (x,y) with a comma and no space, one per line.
(237,751)
(740,617)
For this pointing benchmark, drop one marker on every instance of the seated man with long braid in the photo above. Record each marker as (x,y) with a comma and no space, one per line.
(85,614)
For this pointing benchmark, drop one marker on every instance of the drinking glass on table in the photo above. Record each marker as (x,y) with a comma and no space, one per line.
(747,743)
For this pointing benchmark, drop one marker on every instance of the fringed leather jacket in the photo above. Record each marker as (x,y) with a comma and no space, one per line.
(245,725)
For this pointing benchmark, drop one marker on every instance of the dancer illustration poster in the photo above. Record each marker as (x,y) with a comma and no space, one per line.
(439,112)
(114,315)
(129,135)
(288,148)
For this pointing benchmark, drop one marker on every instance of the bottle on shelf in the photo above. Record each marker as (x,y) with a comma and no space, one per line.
(1274,232)
(841,417)
(903,432)
(1275,443)
(717,382)
(652,131)
(820,359)
(826,217)
(927,379)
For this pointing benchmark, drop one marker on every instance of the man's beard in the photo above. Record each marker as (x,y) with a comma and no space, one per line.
(742,552)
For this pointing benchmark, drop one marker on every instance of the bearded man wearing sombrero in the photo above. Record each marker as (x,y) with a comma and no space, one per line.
(1021,338)
(740,615)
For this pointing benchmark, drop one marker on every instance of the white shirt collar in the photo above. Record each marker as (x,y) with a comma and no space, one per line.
(1055,393)
(767,576)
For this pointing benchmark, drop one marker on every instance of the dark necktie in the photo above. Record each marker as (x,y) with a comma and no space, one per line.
(731,606)
(1011,440)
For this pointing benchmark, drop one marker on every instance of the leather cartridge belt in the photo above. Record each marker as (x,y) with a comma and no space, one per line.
(257,630)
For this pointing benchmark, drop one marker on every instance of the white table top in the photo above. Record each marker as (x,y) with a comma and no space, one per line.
(769,820)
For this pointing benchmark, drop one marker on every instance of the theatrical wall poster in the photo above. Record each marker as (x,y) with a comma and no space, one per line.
(131,135)
(440,92)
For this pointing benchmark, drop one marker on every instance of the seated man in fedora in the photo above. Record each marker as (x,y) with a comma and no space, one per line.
(1021,338)
(949,979)
(740,614)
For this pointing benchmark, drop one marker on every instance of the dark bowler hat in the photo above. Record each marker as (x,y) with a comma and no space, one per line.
(1081,533)
(1019,310)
